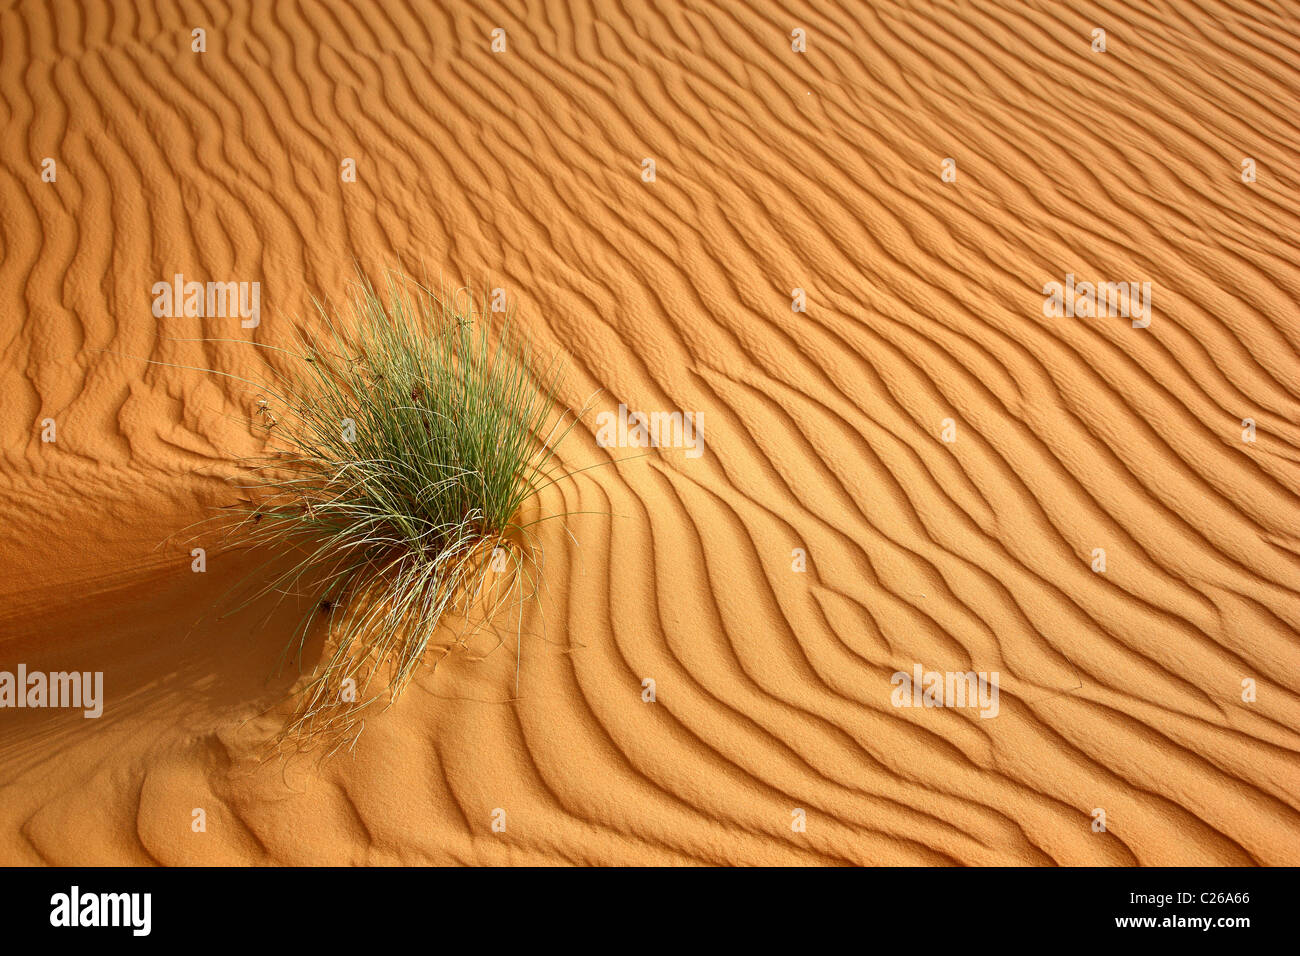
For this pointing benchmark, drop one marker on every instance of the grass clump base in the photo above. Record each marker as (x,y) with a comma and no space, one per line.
(408,440)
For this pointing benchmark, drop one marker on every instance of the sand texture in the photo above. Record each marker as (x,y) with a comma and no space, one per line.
(827,537)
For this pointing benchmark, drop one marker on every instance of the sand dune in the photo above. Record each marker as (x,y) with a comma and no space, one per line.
(823,430)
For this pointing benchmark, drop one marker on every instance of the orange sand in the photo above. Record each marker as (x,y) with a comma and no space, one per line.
(774,170)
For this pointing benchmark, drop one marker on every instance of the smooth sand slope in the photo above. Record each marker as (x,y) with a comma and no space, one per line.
(823,430)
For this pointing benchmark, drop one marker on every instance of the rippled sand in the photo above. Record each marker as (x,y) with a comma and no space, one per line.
(823,430)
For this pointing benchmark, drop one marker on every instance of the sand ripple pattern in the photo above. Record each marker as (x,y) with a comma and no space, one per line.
(775,170)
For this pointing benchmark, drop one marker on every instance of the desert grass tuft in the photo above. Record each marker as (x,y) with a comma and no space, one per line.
(407,440)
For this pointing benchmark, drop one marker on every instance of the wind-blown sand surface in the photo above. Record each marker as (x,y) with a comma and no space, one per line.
(823,430)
